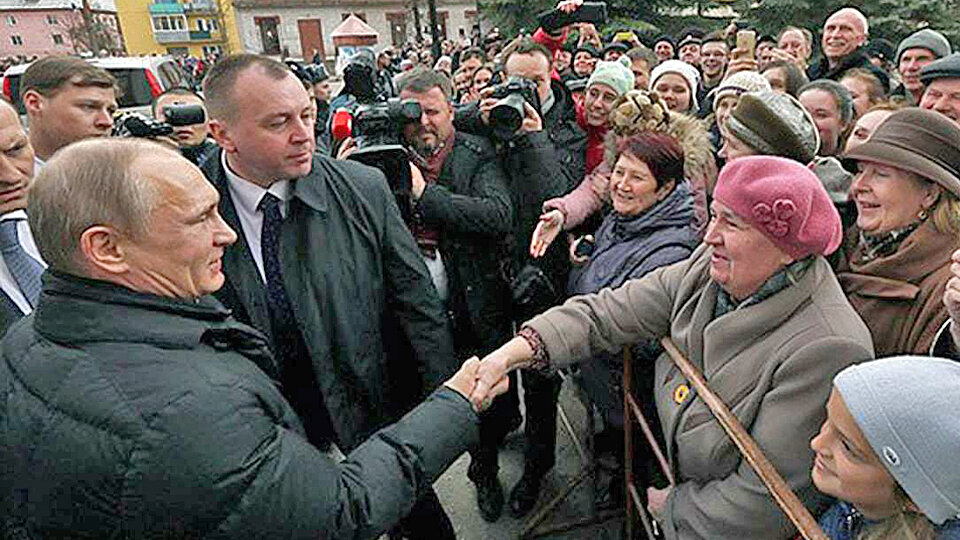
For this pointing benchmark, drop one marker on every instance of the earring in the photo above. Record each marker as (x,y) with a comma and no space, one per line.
(922,215)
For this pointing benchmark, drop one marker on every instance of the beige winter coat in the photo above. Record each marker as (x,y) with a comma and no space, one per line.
(773,363)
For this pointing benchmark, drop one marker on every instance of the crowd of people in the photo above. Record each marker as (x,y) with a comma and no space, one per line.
(240,330)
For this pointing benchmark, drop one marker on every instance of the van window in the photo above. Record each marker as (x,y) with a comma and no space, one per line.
(134,88)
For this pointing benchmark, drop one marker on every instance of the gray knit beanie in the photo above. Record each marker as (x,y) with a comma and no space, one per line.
(615,74)
(928,39)
(906,407)
(776,125)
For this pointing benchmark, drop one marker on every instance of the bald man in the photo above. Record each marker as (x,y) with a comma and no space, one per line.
(20,263)
(844,34)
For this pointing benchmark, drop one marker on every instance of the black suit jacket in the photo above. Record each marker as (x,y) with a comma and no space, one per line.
(353,273)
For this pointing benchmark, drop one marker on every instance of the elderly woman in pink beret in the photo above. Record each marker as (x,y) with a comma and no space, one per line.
(759,311)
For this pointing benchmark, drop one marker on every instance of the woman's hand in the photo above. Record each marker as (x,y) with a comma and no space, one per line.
(657,501)
(579,260)
(491,379)
(550,225)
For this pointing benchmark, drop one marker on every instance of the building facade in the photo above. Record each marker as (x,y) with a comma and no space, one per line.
(44,27)
(194,27)
(297,27)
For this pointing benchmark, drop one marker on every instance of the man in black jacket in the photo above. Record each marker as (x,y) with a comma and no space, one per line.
(462,214)
(132,405)
(844,35)
(324,266)
(545,159)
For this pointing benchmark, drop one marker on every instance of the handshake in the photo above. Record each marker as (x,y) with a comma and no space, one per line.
(481,381)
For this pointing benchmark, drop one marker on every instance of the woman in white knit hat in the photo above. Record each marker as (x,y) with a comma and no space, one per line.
(677,82)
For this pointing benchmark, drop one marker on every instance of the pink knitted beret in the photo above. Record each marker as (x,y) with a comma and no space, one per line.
(784,200)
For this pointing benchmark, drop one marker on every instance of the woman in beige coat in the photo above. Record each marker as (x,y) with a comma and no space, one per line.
(761,314)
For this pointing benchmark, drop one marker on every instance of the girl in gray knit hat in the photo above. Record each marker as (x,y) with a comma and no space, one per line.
(887,451)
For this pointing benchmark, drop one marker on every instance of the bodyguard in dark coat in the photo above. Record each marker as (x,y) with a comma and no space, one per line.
(131,402)
(324,265)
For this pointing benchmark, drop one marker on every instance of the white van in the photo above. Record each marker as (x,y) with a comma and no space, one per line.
(140,79)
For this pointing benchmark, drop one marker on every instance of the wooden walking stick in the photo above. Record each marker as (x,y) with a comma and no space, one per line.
(785,497)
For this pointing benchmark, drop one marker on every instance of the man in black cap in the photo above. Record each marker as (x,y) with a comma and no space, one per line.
(690,45)
(942,93)
(663,47)
(615,50)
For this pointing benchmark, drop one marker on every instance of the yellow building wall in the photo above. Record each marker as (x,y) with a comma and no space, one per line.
(137,25)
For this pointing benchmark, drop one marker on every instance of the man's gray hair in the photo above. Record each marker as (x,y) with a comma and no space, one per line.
(89,183)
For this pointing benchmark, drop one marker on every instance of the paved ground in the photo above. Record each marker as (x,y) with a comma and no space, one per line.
(458,497)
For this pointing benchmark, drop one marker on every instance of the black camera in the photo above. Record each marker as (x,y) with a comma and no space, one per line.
(507,115)
(138,125)
(381,124)
(378,135)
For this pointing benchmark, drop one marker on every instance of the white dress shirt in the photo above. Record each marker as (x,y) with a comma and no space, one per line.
(246,197)
(7,282)
(37,164)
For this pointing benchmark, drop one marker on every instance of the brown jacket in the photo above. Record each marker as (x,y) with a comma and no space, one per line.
(900,297)
(773,363)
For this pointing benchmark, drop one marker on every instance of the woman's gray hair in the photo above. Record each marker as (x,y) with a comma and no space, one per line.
(89,183)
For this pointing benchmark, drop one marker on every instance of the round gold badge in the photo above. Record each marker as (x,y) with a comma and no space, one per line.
(681,394)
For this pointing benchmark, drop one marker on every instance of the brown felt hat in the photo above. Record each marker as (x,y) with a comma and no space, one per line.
(923,142)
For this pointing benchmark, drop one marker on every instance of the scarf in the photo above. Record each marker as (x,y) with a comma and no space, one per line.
(788,275)
(873,246)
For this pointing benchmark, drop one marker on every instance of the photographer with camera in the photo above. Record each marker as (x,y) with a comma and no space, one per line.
(179,105)
(462,214)
(533,120)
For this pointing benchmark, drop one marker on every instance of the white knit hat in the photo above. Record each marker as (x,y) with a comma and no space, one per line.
(685,70)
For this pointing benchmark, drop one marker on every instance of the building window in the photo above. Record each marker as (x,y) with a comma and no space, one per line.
(212,49)
(52,19)
(57,39)
(214,25)
(201,25)
(163,22)
(16,40)
(11,20)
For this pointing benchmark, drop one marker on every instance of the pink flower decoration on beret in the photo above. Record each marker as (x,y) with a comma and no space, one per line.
(776,219)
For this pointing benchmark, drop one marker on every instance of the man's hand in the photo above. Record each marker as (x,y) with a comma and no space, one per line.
(464,380)
(487,104)
(347,147)
(418,184)
(951,298)
(531,119)
(589,34)
(780,54)
(657,501)
(492,375)
(569,6)
(741,61)
(550,225)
